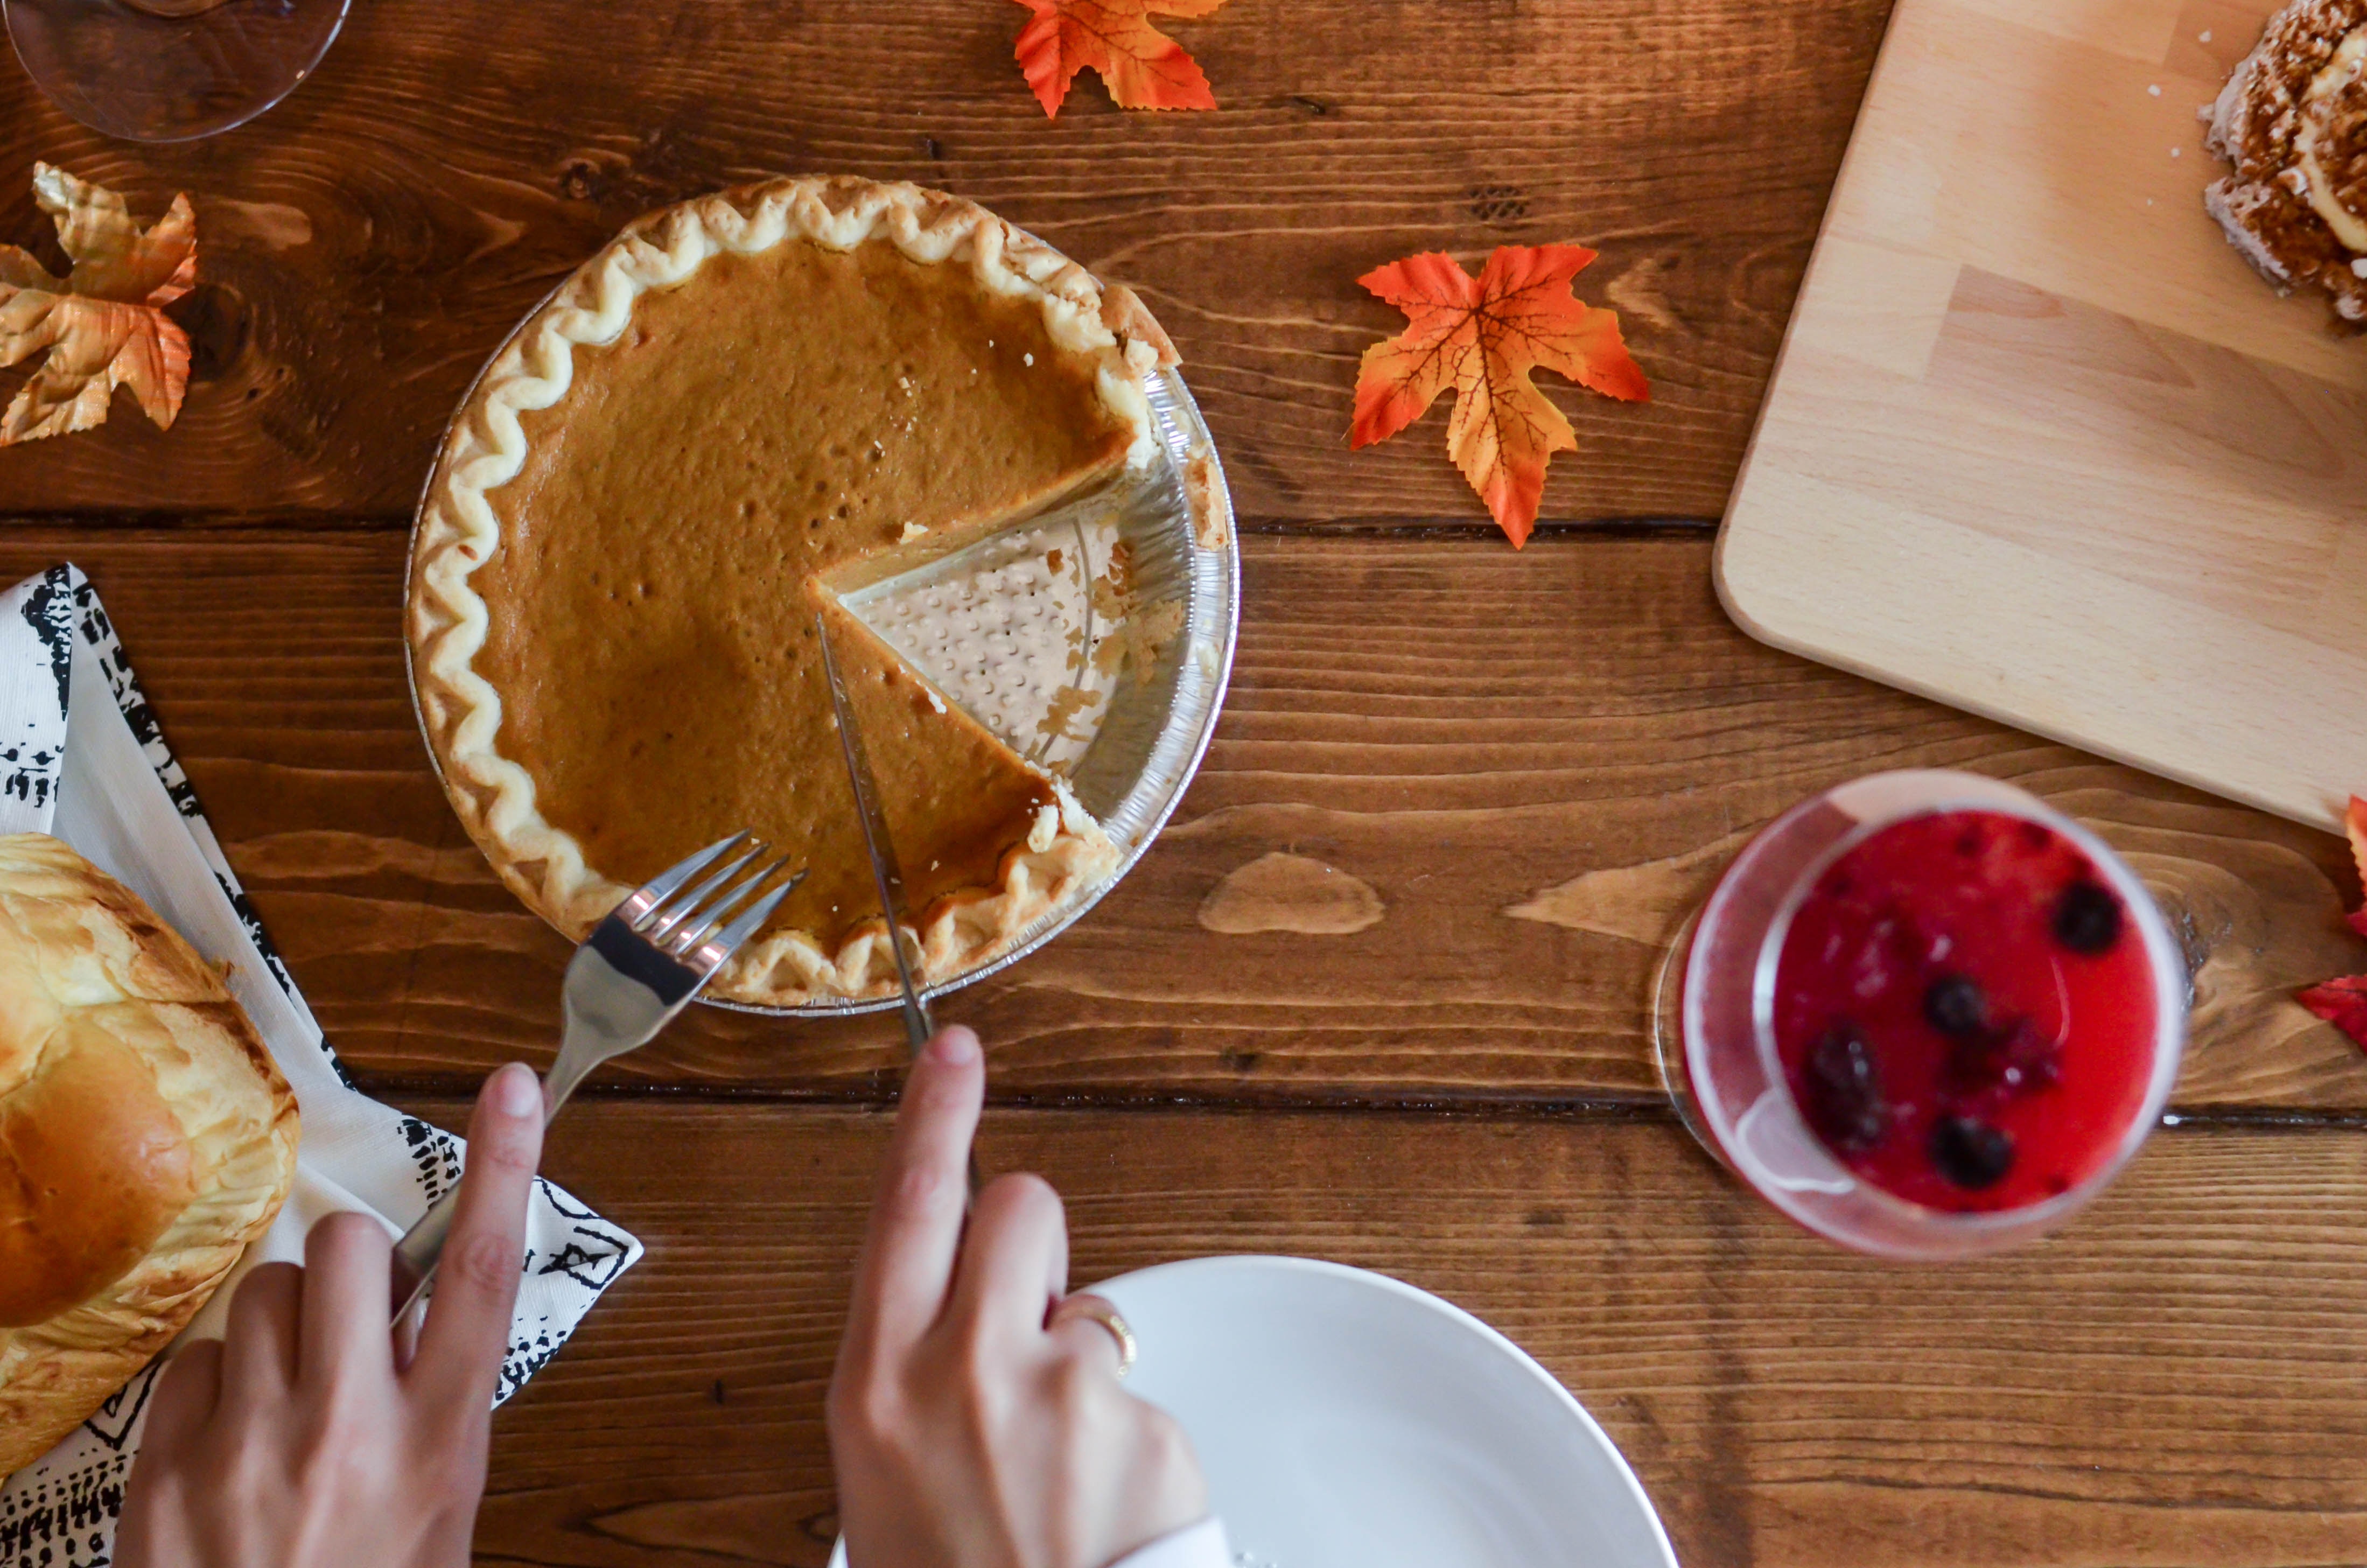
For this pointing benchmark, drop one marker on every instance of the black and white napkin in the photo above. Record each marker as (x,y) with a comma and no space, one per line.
(81,757)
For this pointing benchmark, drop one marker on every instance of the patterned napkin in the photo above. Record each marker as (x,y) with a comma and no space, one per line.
(97,774)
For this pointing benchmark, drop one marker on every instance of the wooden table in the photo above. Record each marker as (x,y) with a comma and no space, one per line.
(1533,762)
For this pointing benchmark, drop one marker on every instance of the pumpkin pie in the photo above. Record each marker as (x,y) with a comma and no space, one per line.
(742,406)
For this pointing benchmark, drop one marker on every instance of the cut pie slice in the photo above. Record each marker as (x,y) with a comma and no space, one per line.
(737,407)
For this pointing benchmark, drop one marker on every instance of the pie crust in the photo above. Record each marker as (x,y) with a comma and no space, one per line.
(1100,337)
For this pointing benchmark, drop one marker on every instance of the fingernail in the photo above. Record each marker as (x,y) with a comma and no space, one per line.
(516,1091)
(954,1047)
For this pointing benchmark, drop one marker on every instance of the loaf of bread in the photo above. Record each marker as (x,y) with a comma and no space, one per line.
(145,1138)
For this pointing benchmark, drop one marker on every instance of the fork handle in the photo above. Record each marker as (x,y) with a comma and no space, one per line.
(415,1256)
(413,1267)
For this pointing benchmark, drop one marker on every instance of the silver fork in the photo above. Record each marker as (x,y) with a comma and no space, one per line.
(638,969)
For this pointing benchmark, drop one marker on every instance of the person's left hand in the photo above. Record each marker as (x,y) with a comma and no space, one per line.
(301,1441)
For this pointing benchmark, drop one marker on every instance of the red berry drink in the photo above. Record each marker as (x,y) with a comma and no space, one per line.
(1964,1012)
(1924,1014)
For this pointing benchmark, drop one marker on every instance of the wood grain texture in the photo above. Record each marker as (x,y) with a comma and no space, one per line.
(367,245)
(1536,763)
(1458,801)
(2041,444)
(2177,1379)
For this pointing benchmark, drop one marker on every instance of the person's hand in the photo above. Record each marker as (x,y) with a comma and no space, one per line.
(966,1433)
(299,1441)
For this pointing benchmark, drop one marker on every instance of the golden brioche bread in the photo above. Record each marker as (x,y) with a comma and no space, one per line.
(145,1138)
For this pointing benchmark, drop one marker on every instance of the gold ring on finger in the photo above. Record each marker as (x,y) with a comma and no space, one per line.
(1095,1310)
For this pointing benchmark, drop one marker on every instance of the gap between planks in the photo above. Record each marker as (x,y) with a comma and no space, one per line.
(1549,531)
(1597,1109)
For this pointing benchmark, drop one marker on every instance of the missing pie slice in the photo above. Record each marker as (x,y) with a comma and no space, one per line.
(741,405)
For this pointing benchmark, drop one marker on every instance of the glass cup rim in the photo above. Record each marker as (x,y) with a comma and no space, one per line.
(291,71)
(2164,963)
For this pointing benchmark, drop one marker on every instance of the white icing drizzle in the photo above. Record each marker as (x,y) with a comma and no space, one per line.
(2332,80)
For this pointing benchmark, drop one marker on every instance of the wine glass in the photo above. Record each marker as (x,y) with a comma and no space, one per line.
(1719,996)
(170,70)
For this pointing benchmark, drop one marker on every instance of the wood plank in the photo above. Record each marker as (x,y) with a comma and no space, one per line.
(369,243)
(2177,1379)
(1533,764)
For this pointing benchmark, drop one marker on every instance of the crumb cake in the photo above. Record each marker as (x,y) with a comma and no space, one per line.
(2293,121)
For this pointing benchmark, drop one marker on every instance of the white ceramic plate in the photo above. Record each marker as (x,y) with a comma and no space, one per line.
(1347,1420)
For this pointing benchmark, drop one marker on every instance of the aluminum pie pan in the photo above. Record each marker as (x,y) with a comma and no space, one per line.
(1131,796)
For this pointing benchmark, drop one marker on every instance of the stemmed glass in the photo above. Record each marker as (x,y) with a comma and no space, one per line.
(1714,1031)
(170,70)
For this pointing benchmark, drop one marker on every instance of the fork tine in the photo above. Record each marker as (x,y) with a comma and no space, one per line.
(696,929)
(682,906)
(657,889)
(726,941)
(725,907)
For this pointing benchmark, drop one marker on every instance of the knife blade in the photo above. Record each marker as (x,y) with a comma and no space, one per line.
(887,872)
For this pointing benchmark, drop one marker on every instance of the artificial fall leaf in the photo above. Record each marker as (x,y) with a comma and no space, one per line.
(2355,825)
(1142,67)
(103,325)
(2343,1004)
(1481,337)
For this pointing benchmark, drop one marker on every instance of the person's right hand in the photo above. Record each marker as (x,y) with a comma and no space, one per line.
(305,1439)
(966,1433)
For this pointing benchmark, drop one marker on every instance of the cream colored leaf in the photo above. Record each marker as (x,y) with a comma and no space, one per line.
(19,270)
(102,325)
(113,257)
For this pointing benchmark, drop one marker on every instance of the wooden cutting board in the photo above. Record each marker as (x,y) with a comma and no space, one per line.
(2040,444)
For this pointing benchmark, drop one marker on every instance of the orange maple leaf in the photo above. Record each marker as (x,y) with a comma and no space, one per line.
(1481,336)
(2354,827)
(102,325)
(1142,67)
(2343,1002)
